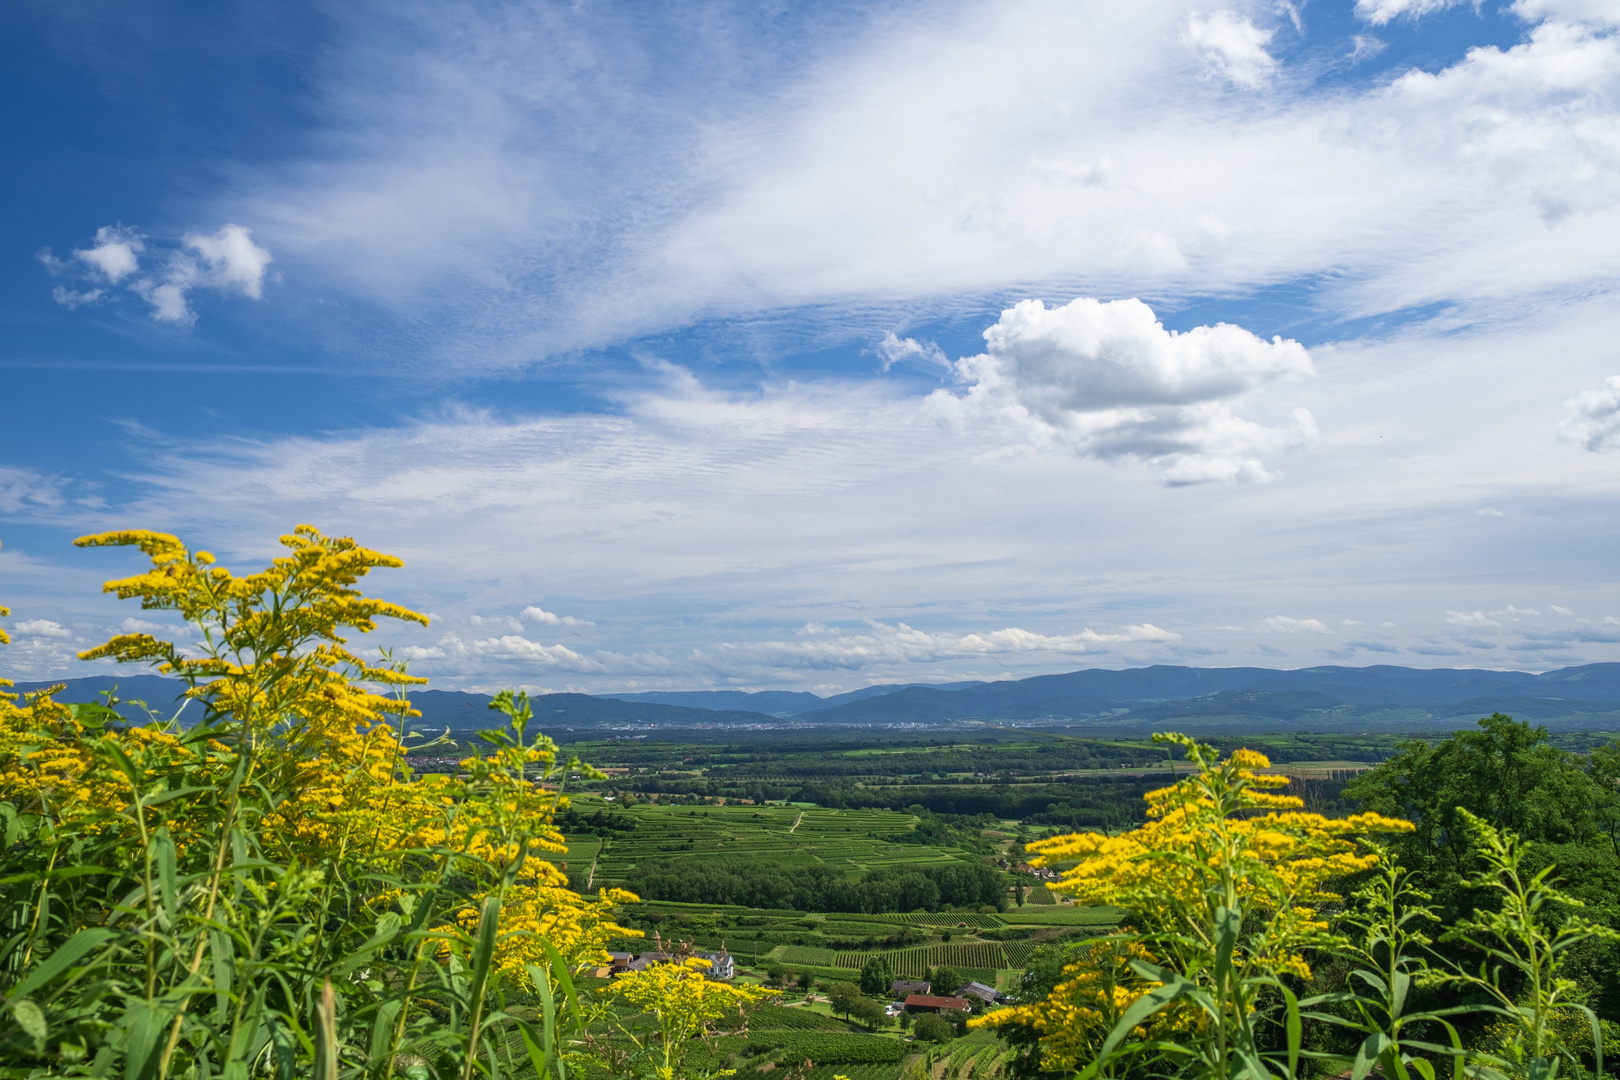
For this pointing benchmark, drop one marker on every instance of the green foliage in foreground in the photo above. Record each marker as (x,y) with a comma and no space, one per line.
(1205,988)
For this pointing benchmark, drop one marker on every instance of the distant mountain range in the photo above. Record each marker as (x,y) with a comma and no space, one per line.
(1325,699)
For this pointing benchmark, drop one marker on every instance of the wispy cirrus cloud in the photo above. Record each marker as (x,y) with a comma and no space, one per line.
(1382,12)
(810,186)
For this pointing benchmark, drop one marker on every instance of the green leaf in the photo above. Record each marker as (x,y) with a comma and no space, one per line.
(1142,1008)
(66,955)
(167,796)
(539,1056)
(285,1048)
(483,957)
(1397,998)
(222,952)
(58,874)
(1367,1054)
(382,1028)
(1294,1027)
(559,970)
(168,889)
(1228,921)
(1597,1035)
(141,1050)
(30,1019)
(388,928)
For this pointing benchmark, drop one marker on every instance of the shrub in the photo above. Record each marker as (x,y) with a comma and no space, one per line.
(933,1028)
(843,996)
(876,976)
(869,1013)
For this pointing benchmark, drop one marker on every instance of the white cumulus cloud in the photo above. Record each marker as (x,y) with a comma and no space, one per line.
(231,260)
(1107,379)
(1592,417)
(541,617)
(1470,618)
(1537,119)
(1283,624)
(518,647)
(1590,11)
(116,253)
(43,628)
(226,261)
(1233,46)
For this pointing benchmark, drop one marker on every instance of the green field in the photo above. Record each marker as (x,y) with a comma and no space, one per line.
(853,841)
(1064,915)
(780,1038)
(947,919)
(828,946)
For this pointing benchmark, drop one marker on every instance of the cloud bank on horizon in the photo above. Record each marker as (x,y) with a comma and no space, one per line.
(883,341)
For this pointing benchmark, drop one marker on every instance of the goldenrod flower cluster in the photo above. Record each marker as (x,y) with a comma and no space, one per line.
(296,714)
(1222,837)
(1220,845)
(684,1000)
(1082,1009)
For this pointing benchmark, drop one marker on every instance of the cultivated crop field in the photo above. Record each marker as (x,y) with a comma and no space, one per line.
(1065,916)
(809,940)
(954,919)
(852,841)
(827,1047)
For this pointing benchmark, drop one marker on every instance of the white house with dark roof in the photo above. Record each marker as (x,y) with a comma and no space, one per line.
(721,966)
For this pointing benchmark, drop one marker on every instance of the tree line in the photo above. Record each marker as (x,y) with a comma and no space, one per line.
(795,887)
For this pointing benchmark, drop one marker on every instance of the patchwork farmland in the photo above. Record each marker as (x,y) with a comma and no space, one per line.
(851,841)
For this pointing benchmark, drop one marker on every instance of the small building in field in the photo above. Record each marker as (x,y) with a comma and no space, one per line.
(617,962)
(901,988)
(927,1003)
(721,966)
(647,960)
(986,995)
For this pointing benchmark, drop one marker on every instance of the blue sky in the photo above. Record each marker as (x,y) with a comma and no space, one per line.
(697,345)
